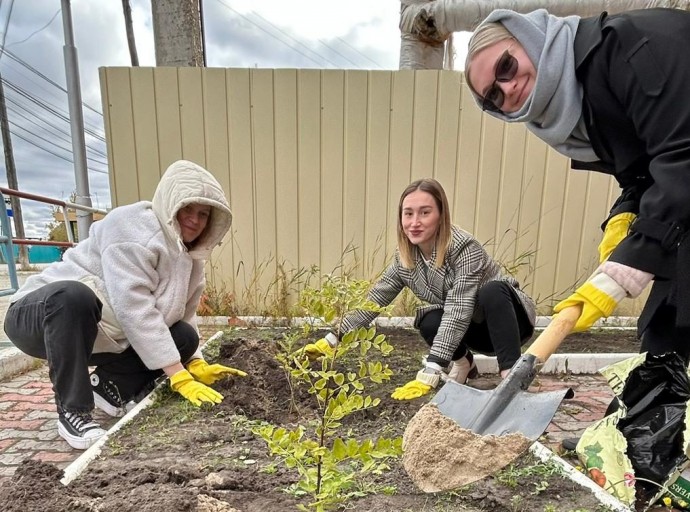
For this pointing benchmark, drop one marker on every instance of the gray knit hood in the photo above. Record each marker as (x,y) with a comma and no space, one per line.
(553,111)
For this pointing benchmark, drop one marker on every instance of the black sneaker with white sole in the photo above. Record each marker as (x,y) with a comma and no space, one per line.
(79,429)
(107,398)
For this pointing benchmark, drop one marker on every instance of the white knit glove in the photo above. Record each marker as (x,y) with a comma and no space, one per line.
(632,280)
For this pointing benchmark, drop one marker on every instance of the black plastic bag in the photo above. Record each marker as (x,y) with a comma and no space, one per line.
(655,396)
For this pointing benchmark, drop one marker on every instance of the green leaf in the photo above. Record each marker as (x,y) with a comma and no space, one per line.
(278,434)
(339,379)
(352,447)
(366,446)
(357,401)
(371,333)
(339,449)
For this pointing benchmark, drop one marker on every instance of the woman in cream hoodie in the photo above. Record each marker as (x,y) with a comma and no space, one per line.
(124,300)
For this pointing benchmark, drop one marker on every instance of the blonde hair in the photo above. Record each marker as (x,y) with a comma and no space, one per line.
(485,36)
(407,249)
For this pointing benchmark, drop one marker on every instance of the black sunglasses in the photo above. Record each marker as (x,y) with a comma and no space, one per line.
(506,67)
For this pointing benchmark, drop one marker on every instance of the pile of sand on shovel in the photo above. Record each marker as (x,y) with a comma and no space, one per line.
(439,455)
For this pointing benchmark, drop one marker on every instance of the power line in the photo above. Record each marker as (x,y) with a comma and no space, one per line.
(356,50)
(280,40)
(34,32)
(302,44)
(7,24)
(58,133)
(50,108)
(21,76)
(46,122)
(68,150)
(55,154)
(54,111)
(44,77)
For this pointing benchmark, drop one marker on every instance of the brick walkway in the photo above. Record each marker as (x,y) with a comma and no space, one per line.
(28,417)
(28,428)
(592,398)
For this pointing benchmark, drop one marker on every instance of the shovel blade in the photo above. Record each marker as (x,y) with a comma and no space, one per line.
(525,413)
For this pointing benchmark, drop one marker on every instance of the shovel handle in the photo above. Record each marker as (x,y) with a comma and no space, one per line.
(550,339)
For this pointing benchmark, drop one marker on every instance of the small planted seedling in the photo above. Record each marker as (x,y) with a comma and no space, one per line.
(332,466)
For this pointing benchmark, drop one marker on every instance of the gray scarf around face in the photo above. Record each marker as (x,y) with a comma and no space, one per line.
(553,111)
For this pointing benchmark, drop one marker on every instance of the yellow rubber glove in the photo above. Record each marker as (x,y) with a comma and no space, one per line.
(616,230)
(192,390)
(411,390)
(599,297)
(210,373)
(323,347)
(427,379)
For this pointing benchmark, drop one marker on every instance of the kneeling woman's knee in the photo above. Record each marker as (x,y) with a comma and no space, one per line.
(186,339)
(493,293)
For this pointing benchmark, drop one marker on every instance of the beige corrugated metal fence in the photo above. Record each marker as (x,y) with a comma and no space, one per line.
(314,162)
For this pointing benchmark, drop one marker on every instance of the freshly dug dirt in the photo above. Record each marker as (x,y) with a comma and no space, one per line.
(175,457)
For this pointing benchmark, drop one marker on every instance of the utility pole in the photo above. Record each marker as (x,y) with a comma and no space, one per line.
(177,33)
(10,168)
(84,218)
(12,181)
(130,33)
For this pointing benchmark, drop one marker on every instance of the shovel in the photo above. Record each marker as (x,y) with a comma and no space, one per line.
(510,408)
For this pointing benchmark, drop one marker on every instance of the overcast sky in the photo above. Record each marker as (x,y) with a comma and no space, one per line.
(350,34)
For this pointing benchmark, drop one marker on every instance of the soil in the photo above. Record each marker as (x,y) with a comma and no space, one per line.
(175,457)
(617,341)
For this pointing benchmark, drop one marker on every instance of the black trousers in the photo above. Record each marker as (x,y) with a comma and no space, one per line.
(59,323)
(504,329)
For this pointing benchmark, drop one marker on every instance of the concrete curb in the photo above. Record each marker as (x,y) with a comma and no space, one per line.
(613,322)
(80,463)
(543,453)
(558,363)
(14,362)
(562,363)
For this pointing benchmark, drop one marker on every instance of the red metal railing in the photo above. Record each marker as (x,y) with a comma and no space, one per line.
(64,205)
(7,240)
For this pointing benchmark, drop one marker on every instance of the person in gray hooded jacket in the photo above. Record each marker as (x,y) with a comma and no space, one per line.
(124,300)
